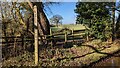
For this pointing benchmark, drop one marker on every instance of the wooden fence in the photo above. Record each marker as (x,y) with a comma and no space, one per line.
(62,36)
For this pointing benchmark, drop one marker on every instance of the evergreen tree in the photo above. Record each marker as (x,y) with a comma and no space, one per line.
(97,16)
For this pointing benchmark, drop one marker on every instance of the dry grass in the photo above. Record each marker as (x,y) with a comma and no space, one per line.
(75,56)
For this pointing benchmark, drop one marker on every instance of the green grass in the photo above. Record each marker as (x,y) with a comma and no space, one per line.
(56,28)
(69,26)
(75,27)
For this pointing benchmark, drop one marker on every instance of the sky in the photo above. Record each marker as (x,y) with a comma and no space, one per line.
(66,10)
(117,3)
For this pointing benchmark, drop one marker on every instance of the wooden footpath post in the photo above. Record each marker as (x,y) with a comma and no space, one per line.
(87,37)
(73,35)
(51,37)
(23,45)
(35,35)
(65,38)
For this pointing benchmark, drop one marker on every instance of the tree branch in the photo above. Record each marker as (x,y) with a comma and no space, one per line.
(30,4)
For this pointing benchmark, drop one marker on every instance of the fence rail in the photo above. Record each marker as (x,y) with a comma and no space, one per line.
(18,45)
(53,36)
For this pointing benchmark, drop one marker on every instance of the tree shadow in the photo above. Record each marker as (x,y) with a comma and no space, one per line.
(95,51)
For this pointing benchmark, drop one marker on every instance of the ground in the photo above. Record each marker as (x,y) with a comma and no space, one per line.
(72,27)
(77,55)
(71,54)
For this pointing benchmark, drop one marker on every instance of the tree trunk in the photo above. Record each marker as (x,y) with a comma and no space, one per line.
(118,27)
(43,21)
(43,26)
(113,26)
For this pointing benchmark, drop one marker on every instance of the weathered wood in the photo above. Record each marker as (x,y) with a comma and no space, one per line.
(47,37)
(22,38)
(60,33)
(51,37)
(87,38)
(35,35)
(76,35)
(65,37)
(12,42)
(15,44)
(73,35)
(17,37)
(30,4)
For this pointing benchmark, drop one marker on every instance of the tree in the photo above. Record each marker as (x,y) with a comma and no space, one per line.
(118,26)
(97,16)
(56,19)
(118,20)
(20,15)
(17,19)
(44,25)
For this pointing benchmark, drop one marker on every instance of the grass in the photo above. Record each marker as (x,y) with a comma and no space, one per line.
(81,55)
(75,56)
(72,27)
(75,27)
